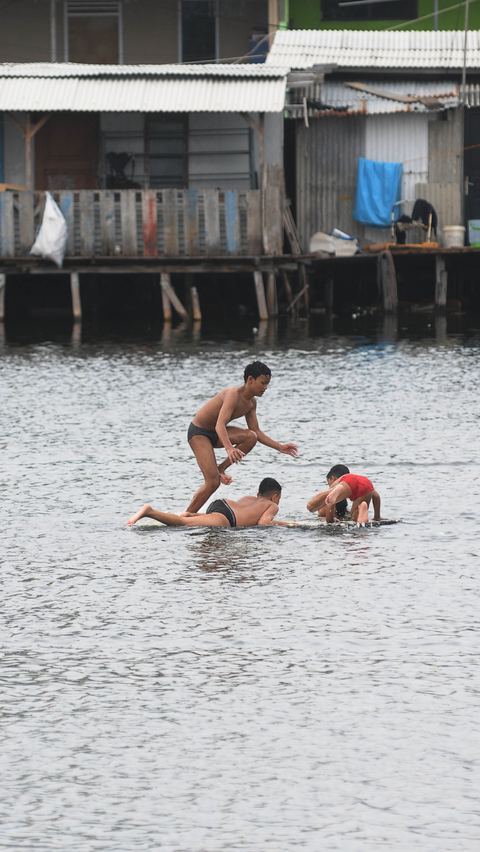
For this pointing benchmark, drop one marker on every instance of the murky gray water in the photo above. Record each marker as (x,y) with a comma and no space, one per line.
(252,689)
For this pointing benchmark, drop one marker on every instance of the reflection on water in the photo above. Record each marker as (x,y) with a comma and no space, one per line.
(239,689)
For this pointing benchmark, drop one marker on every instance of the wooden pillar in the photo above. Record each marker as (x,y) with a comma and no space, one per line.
(305,286)
(286,284)
(328,297)
(272,304)
(76,303)
(387,281)
(167,308)
(196,312)
(260,293)
(441,282)
(3,281)
(169,293)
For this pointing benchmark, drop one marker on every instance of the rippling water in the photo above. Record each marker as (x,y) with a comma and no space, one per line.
(250,689)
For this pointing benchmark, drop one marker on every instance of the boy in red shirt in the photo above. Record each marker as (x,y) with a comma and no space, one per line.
(350,486)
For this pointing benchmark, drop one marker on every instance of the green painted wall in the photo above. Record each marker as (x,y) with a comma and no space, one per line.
(305,15)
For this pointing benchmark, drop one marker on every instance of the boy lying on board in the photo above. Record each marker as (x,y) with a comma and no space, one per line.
(246,512)
(350,486)
(209,430)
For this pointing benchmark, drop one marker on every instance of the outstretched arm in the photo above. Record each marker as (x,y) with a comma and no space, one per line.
(252,423)
(317,502)
(268,515)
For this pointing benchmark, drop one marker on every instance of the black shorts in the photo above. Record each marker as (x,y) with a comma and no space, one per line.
(206,433)
(222,507)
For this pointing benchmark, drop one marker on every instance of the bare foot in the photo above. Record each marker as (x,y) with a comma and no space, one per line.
(141,514)
(362,516)
(225,478)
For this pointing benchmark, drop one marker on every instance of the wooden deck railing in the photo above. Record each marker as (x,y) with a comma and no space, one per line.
(149,223)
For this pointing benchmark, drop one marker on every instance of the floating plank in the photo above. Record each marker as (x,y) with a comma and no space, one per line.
(232,222)
(170,227)
(26,226)
(128,216)
(67,208)
(212,221)
(87,223)
(7,241)
(254,222)
(190,213)
(149,222)
(106,198)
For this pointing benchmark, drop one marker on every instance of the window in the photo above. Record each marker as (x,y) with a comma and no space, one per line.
(93,31)
(388,10)
(199,30)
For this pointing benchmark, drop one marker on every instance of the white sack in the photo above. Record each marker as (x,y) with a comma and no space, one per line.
(52,236)
(321,244)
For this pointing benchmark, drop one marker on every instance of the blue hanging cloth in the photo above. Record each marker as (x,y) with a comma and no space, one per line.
(378,188)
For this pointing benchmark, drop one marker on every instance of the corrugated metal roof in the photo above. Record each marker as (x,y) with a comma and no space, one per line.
(345,100)
(160,88)
(472,95)
(374,49)
(74,69)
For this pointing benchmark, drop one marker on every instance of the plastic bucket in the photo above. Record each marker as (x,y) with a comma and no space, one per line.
(453,236)
(474,232)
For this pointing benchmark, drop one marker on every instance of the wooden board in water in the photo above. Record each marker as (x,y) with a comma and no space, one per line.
(147,524)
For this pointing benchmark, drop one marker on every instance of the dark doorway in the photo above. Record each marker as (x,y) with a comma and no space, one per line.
(66,152)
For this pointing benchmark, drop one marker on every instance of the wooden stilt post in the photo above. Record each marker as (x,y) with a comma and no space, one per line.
(196,312)
(387,281)
(3,282)
(169,292)
(328,297)
(75,290)
(441,282)
(260,292)
(286,284)
(167,308)
(305,286)
(272,294)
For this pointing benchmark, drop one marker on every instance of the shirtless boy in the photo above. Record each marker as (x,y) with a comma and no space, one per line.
(209,429)
(358,489)
(246,512)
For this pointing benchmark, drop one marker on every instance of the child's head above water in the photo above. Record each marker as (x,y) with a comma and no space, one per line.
(269,487)
(337,471)
(256,369)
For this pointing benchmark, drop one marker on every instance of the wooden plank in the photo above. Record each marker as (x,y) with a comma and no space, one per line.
(254,222)
(128,216)
(190,211)
(7,241)
(107,221)
(260,293)
(170,226)
(212,221)
(441,282)
(3,283)
(75,290)
(272,294)
(149,222)
(67,208)
(170,292)
(26,221)
(87,222)
(273,205)
(232,222)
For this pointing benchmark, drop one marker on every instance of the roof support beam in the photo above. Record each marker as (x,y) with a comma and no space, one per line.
(28,132)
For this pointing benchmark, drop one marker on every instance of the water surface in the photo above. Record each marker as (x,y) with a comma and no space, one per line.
(249,689)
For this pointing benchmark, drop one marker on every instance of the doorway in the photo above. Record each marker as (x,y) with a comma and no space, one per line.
(66,152)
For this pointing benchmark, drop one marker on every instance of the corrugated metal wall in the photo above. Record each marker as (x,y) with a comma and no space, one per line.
(400,138)
(326,160)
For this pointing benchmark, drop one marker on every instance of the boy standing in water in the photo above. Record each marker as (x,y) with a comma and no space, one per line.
(209,429)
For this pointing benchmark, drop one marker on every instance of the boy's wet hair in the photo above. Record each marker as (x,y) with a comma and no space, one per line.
(269,486)
(255,370)
(338,470)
